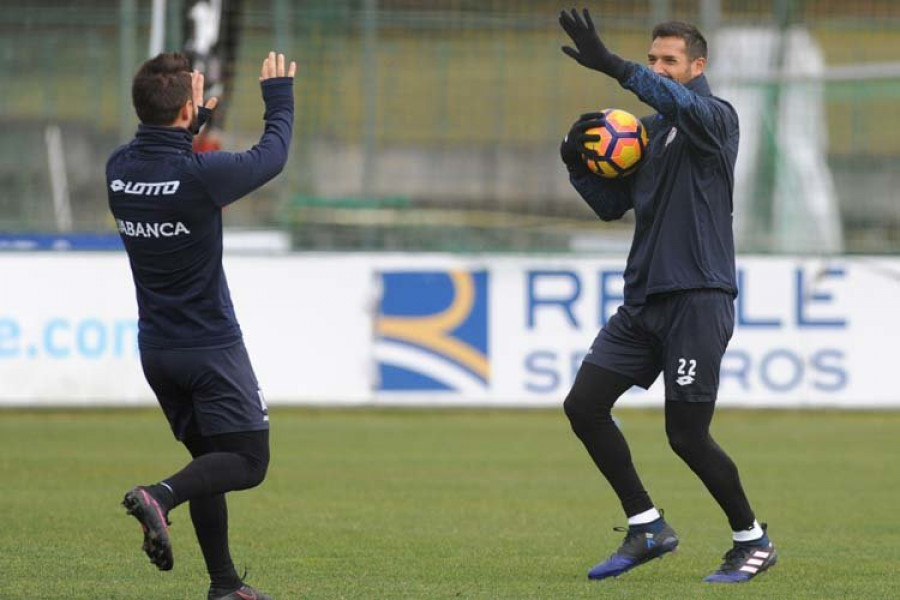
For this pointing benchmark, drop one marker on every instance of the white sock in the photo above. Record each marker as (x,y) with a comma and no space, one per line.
(648,516)
(748,535)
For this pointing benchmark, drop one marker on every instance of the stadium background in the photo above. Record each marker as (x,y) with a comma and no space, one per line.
(434,125)
(425,152)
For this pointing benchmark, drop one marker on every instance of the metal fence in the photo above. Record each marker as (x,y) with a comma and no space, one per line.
(434,125)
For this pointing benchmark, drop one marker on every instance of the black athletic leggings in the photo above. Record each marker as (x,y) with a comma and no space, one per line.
(222,463)
(588,407)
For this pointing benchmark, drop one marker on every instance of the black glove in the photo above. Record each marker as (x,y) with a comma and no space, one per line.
(591,52)
(203,115)
(573,150)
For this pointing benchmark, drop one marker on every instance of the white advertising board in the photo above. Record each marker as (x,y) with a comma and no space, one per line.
(807,332)
(447,330)
(68,330)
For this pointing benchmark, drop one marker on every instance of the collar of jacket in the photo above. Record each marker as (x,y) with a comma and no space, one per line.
(699,85)
(163,139)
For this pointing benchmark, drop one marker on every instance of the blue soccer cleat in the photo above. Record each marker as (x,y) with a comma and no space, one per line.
(745,561)
(641,544)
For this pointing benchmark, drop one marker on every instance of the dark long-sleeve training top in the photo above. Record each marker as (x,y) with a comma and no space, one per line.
(681,194)
(167,201)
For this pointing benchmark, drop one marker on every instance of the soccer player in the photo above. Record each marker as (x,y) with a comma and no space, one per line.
(167,202)
(678,311)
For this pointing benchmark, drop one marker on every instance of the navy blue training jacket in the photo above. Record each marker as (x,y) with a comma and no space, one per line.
(167,202)
(681,194)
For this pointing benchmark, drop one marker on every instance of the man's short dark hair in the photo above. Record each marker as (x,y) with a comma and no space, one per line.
(161,87)
(694,42)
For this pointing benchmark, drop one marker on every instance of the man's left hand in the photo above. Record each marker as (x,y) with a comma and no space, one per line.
(591,51)
(202,112)
(197,92)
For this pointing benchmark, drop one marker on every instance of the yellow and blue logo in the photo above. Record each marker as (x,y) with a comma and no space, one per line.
(431,333)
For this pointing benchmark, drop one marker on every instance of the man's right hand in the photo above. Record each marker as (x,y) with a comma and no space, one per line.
(573,149)
(273,66)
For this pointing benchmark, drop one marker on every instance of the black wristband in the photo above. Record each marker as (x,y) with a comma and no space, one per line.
(617,67)
(203,116)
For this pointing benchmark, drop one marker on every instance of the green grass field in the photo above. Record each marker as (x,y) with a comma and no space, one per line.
(380,504)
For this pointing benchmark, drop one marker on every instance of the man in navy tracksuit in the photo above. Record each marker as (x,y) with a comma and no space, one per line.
(167,202)
(678,314)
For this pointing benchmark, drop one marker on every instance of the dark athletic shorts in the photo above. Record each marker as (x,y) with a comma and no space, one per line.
(682,334)
(206,391)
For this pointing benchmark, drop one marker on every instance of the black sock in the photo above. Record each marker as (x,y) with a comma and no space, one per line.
(210,518)
(163,496)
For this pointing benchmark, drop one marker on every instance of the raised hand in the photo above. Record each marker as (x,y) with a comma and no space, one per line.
(589,50)
(197,92)
(202,112)
(273,66)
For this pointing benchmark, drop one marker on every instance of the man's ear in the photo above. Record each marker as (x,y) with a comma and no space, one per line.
(187,111)
(185,115)
(698,66)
